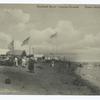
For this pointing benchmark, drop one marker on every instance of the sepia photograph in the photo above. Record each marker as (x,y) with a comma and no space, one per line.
(49,49)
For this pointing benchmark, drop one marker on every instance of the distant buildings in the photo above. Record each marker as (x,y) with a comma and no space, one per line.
(3,51)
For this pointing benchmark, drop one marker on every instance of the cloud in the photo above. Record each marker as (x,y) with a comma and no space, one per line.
(75,34)
(66,37)
(16,23)
(15,16)
(13,21)
(5,37)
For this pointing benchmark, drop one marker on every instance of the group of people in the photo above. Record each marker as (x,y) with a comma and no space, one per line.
(25,62)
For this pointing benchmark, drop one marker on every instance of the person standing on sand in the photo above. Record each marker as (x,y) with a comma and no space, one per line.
(23,62)
(31,64)
(16,61)
(52,63)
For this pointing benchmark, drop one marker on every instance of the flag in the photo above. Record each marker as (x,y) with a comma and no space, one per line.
(11,45)
(53,35)
(26,41)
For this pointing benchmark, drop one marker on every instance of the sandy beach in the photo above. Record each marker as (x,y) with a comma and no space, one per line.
(45,81)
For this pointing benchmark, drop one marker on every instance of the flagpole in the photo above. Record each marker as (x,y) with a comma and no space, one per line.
(30,47)
(56,48)
(30,44)
(33,50)
(53,36)
(13,47)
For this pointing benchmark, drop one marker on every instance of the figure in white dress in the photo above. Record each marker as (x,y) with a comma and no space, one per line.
(23,62)
(16,61)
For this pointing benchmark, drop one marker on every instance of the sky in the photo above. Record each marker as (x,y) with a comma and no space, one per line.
(78,29)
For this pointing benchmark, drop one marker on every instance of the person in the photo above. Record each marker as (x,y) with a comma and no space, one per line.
(16,61)
(52,63)
(23,62)
(31,64)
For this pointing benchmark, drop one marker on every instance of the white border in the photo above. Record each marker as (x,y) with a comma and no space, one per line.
(52,1)
(45,97)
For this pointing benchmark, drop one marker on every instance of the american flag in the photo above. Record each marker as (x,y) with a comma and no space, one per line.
(53,35)
(26,41)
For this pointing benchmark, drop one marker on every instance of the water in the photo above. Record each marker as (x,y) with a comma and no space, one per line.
(90,72)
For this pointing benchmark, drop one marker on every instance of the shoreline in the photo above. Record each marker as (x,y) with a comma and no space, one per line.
(94,89)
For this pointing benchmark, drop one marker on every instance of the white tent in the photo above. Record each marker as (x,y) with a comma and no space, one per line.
(3,51)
